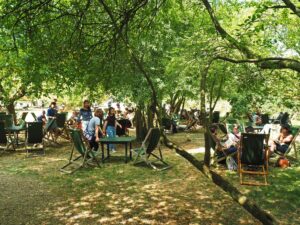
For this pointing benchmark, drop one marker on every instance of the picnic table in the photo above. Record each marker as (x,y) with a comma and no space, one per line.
(117,140)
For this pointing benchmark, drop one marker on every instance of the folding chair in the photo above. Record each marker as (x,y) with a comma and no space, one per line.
(295,132)
(85,153)
(167,124)
(23,116)
(49,131)
(150,143)
(61,119)
(285,118)
(2,115)
(232,121)
(253,157)
(5,141)
(34,116)
(265,119)
(34,137)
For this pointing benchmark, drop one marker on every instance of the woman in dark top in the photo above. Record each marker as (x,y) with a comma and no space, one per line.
(110,126)
(85,114)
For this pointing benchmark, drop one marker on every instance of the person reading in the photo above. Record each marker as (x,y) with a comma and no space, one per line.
(281,144)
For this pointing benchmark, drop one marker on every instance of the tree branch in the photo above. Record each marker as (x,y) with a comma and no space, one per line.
(268,63)
(263,63)
(292,6)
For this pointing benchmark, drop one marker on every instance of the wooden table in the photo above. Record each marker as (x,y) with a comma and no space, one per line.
(117,140)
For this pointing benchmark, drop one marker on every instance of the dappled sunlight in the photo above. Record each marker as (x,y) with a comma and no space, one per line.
(280,198)
(120,193)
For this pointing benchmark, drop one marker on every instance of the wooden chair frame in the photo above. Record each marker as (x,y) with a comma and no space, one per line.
(142,155)
(88,157)
(264,168)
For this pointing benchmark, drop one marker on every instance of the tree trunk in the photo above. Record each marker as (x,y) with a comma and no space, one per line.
(150,116)
(203,114)
(140,134)
(11,110)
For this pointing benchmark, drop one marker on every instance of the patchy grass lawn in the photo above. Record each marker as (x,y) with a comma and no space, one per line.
(33,191)
(281,198)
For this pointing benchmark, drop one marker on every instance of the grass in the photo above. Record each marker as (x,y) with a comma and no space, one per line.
(33,191)
(280,198)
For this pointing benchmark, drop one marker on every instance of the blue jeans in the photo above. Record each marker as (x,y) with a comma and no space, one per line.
(111,132)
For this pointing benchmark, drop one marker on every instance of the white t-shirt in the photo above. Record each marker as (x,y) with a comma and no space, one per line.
(95,121)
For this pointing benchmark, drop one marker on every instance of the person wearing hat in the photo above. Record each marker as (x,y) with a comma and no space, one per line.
(281,144)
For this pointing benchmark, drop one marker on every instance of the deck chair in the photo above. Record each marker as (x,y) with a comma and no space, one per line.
(23,116)
(49,131)
(232,121)
(2,115)
(284,119)
(86,154)
(61,119)
(8,121)
(150,143)
(167,124)
(34,116)
(34,137)
(253,157)
(216,117)
(5,141)
(265,119)
(295,132)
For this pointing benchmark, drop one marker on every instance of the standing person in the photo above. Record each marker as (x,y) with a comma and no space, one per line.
(110,126)
(56,105)
(51,112)
(93,131)
(85,114)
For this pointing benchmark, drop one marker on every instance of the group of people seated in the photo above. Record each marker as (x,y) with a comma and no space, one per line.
(229,143)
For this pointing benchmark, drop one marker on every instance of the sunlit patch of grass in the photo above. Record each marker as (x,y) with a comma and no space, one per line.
(120,193)
(281,198)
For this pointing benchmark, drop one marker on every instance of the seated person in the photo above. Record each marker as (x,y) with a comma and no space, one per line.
(73,119)
(42,118)
(281,144)
(235,135)
(223,144)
